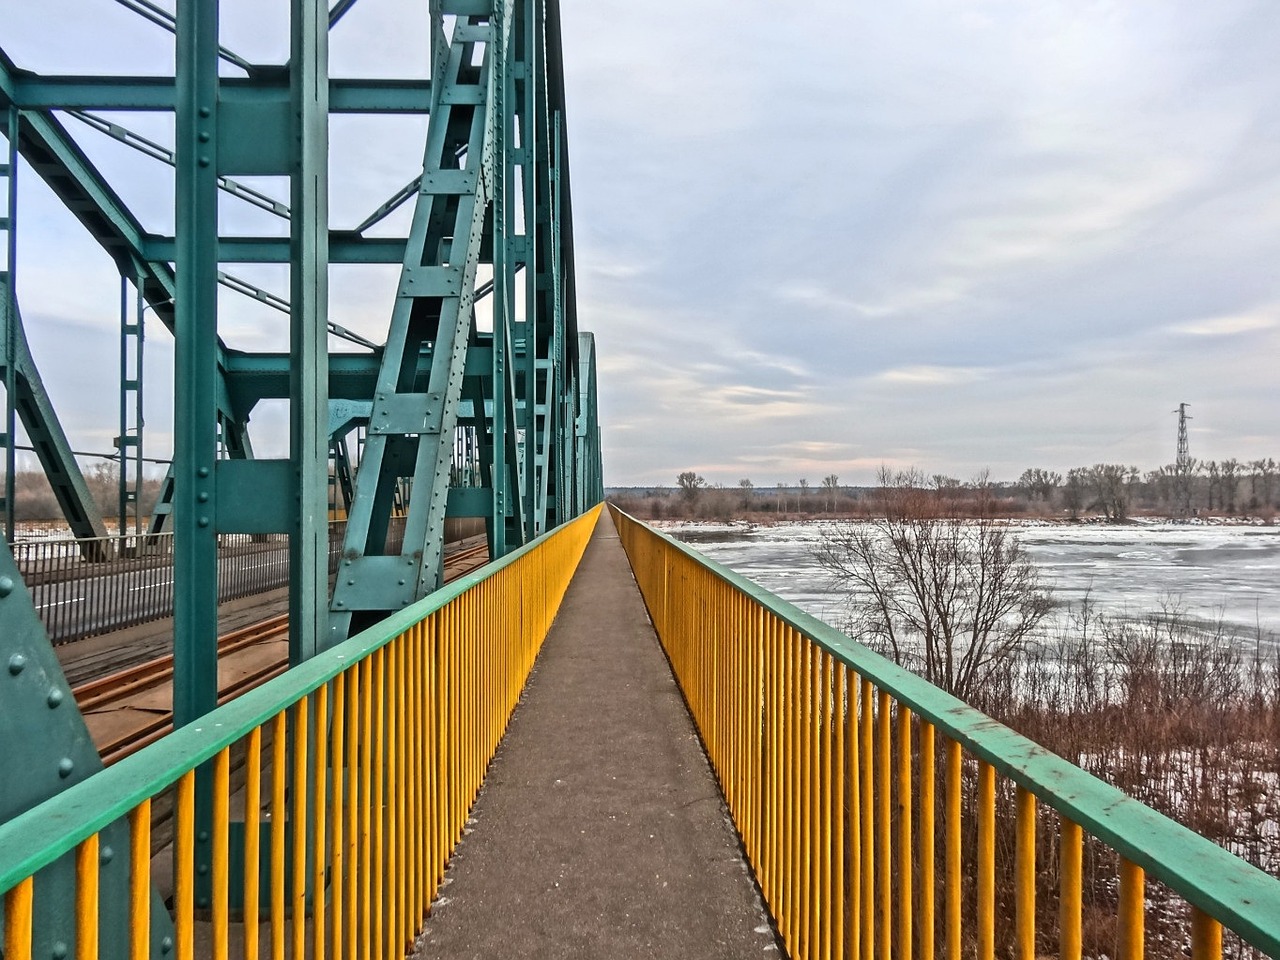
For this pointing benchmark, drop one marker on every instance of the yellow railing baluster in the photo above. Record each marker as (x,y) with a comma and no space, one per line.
(221,874)
(367,812)
(1132,910)
(338,855)
(298,820)
(905,859)
(813,902)
(925,915)
(378,903)
(391,896)
(87,899)
(184,863)
(837,812)
(884,824)
(986,861)
(1206,936)
(139,882)
(955,879)
(252,843)
(826,905)
(1024,876)
(867,843)
(1070,907)
(279,822)
(319,836)
(18,909)
(854,823)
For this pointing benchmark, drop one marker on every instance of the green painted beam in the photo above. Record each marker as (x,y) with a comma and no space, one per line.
(372,96)
(344,247)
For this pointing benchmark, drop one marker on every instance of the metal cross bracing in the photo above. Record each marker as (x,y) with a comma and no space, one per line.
(458,412)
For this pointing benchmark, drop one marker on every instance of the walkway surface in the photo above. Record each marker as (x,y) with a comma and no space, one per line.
(600,831)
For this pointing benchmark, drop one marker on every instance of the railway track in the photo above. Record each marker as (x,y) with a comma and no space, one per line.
(112,689)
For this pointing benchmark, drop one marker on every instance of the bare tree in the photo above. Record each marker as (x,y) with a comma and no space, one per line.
(1111,483)
(1073,491)
(1039,483)
(748,492)
(831,486)
(950,599)
(690,486)
(1231,470)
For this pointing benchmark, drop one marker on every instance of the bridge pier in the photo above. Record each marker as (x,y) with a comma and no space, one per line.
(600,831)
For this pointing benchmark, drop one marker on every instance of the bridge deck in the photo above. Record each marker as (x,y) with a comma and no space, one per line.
(600,831)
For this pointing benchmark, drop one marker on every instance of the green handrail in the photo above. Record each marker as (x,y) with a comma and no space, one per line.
(38,837)
(1228,888)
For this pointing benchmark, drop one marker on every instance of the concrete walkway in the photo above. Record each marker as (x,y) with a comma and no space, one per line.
(600,831)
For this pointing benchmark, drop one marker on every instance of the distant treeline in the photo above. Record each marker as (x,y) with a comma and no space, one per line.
(1109,490)
(34,500)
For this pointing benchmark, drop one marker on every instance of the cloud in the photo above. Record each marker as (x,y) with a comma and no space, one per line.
(950,236)
(1227,326)
(925,375)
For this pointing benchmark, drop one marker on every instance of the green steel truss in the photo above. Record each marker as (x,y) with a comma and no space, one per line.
(460,411)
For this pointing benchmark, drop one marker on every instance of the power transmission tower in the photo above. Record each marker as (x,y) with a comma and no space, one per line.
(1182,466)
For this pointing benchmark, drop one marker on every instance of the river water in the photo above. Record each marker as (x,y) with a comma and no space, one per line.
(1212,571)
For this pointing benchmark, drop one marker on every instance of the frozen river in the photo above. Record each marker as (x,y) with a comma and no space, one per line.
(1227,571)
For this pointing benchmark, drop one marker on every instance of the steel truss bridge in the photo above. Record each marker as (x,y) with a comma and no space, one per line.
(317,814)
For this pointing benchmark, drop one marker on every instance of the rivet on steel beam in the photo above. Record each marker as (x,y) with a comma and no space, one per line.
(65,766)
(203,836)
(105,854)
(204,161)
(202,522)
(351,583)
(54,698)
(204,137)
(202,472)
(59,951)
(202,870)
(17,663)
(402,582)
(166,945)
(203,497)
(6,586)
(204,111)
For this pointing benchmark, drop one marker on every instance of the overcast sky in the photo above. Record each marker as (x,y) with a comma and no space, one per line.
(948,235)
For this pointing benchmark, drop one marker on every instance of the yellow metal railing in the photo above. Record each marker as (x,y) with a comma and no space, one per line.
(355,773)
(886,820)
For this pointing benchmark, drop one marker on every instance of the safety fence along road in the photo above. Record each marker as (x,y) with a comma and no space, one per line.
(85,587)
(887,820)
(356,772)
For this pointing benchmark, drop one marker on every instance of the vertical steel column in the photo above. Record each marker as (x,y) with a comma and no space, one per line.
(530,137)
(195,360)
(122,478)
(8,281)
(503,275)
(195,420)
(129,441)
(308,343)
